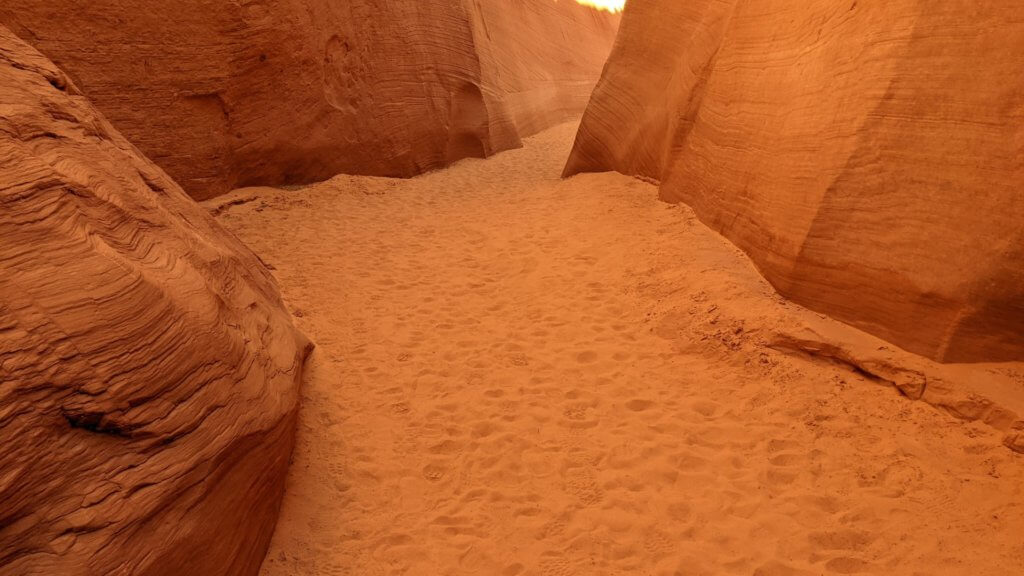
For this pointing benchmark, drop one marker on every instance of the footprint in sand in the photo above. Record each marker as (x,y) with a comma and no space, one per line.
(434,472)
(639,405)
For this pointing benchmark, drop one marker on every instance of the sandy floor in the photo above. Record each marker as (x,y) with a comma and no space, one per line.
(522,375)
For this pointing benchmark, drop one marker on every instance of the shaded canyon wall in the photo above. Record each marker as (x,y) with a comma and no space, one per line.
(227,94)
(867,155)
(149,373)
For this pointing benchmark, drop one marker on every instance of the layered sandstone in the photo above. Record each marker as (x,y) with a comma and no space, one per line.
(227,94)
(867,155)
(149,373)
(539,60)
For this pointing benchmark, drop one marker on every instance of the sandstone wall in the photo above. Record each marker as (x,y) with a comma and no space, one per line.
(539,60)
(867,155)
(149,373)
(227,94)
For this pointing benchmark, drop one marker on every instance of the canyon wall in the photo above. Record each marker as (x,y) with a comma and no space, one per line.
(539,59)
(227,94)
(149,373)
(867,155)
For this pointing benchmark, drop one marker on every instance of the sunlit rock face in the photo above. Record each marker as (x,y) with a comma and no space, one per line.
(607,5)
(539,62)
(224,94)
(868,156)
(149,373)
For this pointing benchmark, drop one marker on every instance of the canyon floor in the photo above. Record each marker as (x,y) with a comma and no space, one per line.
(518,374)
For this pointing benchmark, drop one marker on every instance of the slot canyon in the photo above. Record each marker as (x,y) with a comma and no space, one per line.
(511,287)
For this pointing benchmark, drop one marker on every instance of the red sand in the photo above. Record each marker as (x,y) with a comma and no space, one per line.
(521,375)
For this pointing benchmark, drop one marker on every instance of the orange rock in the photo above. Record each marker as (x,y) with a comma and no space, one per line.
(149,373)
(228,94)
(867,156)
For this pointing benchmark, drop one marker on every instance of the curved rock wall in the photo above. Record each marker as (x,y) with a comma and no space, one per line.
(539,60)
(227,94)
(867,156)
(149,373)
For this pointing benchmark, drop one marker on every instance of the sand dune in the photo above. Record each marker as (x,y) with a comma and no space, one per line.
(521,375)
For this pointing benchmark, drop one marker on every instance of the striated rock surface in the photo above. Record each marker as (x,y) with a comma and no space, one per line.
(867,156)
(149,373)
(539,62)
(228,94)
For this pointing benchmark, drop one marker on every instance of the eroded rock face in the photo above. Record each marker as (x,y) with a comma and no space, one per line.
(227,94)
(868,156)
(149,373)
(539,62)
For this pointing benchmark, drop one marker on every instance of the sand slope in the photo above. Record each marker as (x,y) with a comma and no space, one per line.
(522,375)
